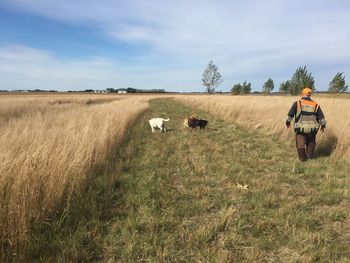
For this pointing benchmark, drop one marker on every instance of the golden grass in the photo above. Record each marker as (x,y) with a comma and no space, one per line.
(49,144)
(48,147)
(269,113)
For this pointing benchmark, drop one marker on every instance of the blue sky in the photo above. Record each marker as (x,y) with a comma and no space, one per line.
(81,44)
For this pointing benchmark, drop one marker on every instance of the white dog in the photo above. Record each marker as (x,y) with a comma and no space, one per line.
(158,123)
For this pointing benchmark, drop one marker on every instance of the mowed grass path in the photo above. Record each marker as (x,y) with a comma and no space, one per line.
(178,199)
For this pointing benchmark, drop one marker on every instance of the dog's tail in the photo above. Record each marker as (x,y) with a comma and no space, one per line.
(166,119)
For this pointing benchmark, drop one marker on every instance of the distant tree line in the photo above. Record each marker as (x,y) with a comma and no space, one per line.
(212,78)
(302,78)
(110,90)
(28,90)
(132,90)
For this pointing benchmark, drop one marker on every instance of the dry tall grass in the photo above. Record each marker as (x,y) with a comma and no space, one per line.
(269,113)
(48,146)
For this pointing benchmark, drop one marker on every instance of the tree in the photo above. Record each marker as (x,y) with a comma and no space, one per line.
(239,88)
(338,83)
(211,77)
(268,86)
(111,90)
(285,86)
(236,89)
(300,80)
(131,90)
(246,87)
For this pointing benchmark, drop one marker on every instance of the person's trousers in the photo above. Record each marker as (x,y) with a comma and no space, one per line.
(306,144)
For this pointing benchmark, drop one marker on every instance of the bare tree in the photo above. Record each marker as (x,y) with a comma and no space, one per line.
(211,77)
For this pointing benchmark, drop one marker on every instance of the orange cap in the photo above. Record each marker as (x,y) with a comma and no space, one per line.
(306,92)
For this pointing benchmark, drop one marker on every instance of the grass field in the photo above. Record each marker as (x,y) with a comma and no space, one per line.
(174,197)
(48,147)
(134,196)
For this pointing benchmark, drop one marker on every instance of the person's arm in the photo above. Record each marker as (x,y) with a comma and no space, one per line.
(321,119)
(291,114)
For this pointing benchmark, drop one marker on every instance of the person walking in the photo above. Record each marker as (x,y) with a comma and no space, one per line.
(308,119)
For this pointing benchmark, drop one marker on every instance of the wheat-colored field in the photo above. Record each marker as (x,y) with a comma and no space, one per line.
(48,146)
(269,114)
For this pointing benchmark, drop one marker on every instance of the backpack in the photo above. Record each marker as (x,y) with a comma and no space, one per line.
(305,119)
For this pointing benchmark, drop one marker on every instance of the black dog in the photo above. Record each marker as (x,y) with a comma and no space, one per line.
(193,123)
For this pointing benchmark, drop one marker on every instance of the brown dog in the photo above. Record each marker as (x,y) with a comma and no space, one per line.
(193,123)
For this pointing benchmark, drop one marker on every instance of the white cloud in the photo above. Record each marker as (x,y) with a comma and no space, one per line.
(20,53)
(202,27)
(28,68)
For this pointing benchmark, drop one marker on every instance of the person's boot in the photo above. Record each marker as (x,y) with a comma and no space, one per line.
(310,148)
(302,155)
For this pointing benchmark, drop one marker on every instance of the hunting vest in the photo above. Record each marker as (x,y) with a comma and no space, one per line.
(305,118)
